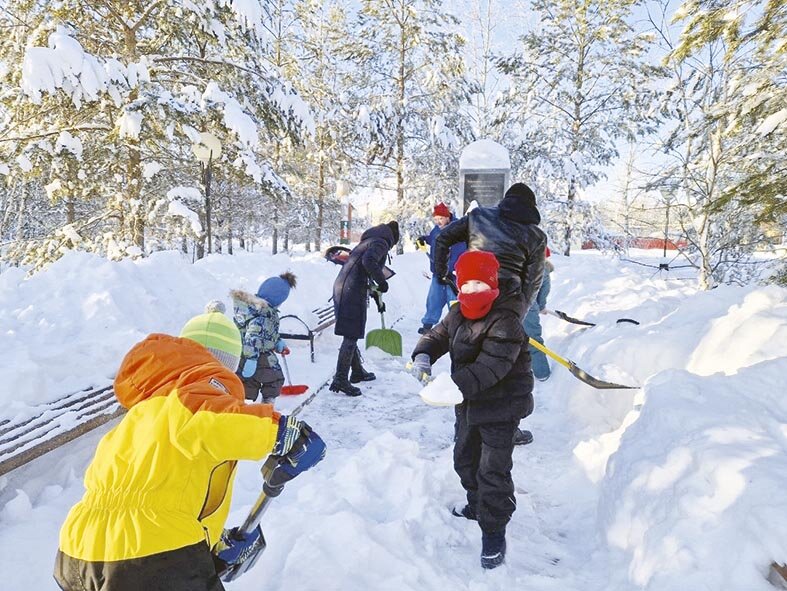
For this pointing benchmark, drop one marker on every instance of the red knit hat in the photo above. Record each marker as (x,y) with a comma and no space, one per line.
(479,265)
(442,209)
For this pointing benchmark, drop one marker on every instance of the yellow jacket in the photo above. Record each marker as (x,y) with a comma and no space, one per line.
(162,479)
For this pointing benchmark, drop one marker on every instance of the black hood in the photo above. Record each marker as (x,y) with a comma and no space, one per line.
(382,231)
(519,204)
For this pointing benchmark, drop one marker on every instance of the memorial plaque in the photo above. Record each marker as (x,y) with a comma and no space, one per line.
(487,188)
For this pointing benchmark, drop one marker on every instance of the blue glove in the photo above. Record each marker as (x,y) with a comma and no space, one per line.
(249,367)
(308,451)
(280,346)
(290,429)
(235,549)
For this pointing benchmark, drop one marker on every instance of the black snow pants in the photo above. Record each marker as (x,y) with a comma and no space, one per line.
(266,380)
(483,460)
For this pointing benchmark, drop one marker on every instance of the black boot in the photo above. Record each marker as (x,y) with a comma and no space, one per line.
(340,382)
(522,437)
(358,373)
(467,512)
(425,329)
(493,549)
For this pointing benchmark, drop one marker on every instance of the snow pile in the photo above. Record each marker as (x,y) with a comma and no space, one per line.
(442,391)
(693,499)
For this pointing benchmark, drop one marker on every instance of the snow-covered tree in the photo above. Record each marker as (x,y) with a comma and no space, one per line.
(104,101)
(707,154)
(580,82)
(411,88)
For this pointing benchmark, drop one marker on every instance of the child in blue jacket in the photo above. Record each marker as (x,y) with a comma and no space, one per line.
(257,318)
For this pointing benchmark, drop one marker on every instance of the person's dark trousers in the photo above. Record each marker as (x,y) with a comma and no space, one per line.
(483,461)
(266,380)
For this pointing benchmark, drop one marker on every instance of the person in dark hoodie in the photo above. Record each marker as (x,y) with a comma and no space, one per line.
(490,364)
(510,231)
(440,294)
(363,269)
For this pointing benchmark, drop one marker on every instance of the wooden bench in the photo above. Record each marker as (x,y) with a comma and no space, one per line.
(53,424)
(325,318)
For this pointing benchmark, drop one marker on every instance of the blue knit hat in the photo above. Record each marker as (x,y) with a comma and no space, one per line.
(275,290)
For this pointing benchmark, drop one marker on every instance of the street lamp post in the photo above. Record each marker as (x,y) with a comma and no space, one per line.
(207,150)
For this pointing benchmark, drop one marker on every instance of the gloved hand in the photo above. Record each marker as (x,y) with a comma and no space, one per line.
(308,450)
(290,429)
(379,301)
(281,346)
(383,286)
(249,367)
(420,242)
(235,548)
(422,366)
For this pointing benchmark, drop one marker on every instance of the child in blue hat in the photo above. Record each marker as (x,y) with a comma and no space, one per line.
(257,318)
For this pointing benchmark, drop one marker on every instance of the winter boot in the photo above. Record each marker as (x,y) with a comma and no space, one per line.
(467,512)
(343,385)
(358,373)
(425,329)
(522,437)
(493,549)
(340,382)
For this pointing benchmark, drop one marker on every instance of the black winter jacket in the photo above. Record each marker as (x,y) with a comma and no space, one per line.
(511,233)
(351,288)
(490,361)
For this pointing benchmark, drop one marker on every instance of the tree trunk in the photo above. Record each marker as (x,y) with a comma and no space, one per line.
(572,188)
(320,197)
(134,165)
(400,132)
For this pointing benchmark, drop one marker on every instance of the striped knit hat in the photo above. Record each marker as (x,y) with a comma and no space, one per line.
(218,334)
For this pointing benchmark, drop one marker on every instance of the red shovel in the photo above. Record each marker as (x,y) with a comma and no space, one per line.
(289,389)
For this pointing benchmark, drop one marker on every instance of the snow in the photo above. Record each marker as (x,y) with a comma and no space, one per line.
(772,122)
(441,391)
(150,169)
(484,154)
(678,485)
(130,124)
(66,141)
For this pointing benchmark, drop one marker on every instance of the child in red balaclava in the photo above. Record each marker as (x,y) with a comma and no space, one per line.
(490,364)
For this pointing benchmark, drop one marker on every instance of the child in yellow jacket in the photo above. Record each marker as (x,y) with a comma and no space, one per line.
(159,487)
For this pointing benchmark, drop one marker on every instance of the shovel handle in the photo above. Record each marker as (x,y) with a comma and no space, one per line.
(286,370)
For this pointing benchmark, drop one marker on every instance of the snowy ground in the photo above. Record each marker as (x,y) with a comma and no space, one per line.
(679,485)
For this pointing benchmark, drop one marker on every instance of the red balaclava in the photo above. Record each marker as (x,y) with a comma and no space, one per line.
(481,266)
(442,209)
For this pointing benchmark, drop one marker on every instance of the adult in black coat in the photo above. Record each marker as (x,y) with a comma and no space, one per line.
(351,299)
(510,231)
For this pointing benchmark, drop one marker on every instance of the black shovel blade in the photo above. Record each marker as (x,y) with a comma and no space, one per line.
(572,320)
(581,374)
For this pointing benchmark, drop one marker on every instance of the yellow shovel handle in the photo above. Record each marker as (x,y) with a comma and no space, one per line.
(549,352)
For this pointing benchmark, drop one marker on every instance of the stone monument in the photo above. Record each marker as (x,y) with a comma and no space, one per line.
(484,173)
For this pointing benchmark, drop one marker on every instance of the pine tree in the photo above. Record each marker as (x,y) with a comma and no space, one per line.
(412,88)
(135,83)
(580,83)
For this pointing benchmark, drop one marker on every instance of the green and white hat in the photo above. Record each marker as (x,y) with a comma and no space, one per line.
(218,334)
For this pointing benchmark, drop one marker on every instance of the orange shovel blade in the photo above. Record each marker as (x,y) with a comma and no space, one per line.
(293,390)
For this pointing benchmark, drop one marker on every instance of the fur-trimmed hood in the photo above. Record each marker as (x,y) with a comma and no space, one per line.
(251,300)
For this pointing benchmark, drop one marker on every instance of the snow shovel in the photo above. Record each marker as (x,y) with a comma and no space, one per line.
(383,338)
(579,373)
(289,389)
(572,320)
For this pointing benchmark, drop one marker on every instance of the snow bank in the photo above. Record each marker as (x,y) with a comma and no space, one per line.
(69,326)
(693,499)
